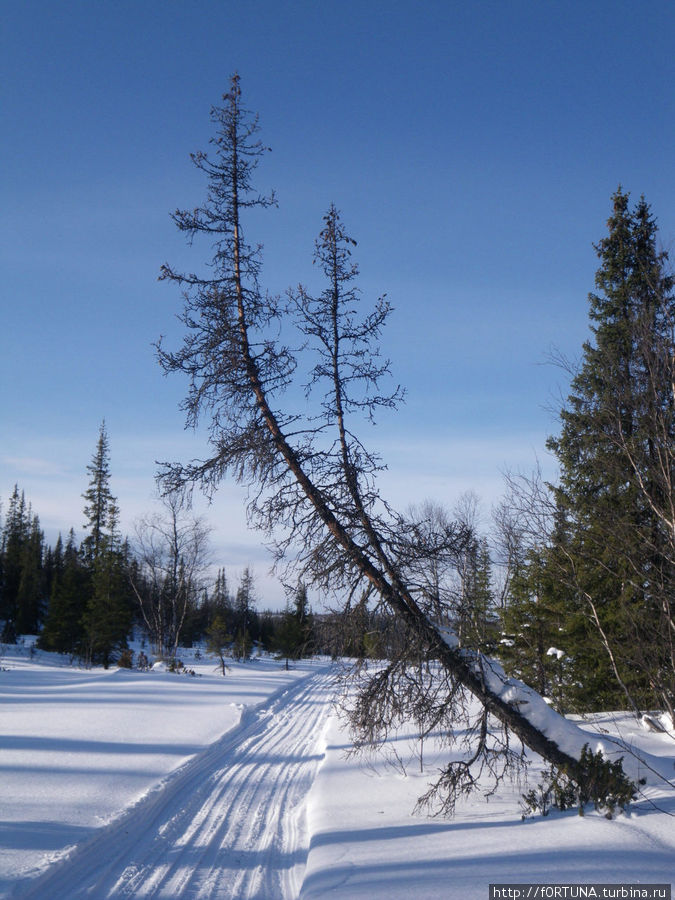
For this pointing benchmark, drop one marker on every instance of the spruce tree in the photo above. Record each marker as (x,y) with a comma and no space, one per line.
(53,568)
(99,499)
(245,618)
(22,582)
(14,538)
(63,630)
(107,616)
(613,545)
(475,600)
(30,600)
(538,631)
(218,640)
(293,637)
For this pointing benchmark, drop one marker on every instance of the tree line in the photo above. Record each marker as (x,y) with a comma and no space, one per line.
(85,599)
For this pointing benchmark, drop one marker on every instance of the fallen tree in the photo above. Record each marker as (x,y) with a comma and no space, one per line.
(312,481)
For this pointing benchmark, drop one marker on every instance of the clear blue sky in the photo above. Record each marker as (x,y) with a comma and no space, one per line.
(472,148)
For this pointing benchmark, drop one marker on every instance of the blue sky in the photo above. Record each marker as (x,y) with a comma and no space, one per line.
(472,148)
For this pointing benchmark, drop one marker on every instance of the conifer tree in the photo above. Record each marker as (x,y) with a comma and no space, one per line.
(220,601)
(30,599)
(245,616)
(99,502)
(14,538)
(107,616)
(63,630)
(218,640)
(474,608)
(293,636)
(22,585)
(53,568)
(537,631)
(614,543)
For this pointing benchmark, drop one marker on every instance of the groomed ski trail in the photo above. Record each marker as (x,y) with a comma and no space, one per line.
(229,825)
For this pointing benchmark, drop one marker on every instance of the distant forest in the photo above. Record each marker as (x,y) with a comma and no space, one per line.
(85,600)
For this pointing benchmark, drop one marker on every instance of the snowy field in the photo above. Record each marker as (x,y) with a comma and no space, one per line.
(152,784)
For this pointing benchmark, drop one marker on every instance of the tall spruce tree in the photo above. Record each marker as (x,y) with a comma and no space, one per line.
(99,501)
(536,626)
(614,544)
(107,616)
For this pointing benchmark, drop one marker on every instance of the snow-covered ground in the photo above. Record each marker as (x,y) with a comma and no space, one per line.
(152,784)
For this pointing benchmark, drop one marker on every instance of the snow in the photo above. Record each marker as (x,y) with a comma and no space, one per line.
(154,784)
(638,764)
(365,842)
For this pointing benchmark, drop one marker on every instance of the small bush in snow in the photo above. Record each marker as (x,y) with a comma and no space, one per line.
(604,784)
(126,659)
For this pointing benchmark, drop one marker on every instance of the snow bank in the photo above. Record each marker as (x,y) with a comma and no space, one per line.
(78,746)
(638,764)
(367,844)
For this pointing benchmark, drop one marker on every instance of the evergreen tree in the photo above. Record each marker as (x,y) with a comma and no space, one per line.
(218,640)
(245,619)
(30,599)
(14,538)
(22,587)
(53,568)
(107,616)
(100,503)
(538,632)
(474,602)
(294,634)
(63,630)
(216,602)
(220,601)
(267,628)
(615,449)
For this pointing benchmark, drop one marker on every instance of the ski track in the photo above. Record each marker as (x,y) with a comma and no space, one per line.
(229,825)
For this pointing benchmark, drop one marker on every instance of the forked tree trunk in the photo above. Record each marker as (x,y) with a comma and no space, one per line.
(216,368)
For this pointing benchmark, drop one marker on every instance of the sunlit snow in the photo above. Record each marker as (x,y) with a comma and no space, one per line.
(135,784)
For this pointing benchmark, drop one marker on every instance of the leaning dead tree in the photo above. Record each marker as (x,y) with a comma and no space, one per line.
(312,481)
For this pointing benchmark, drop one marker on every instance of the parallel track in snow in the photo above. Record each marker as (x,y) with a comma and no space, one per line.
(229,825)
